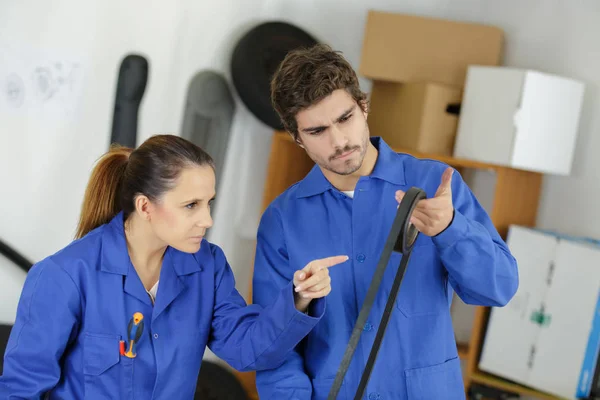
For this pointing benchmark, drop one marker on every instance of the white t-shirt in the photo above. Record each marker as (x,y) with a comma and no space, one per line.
(349,193)
(152,292)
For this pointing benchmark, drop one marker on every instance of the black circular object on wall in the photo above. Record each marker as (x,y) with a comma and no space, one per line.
(255,59)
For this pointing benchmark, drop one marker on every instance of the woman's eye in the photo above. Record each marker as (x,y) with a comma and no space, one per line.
(191,206)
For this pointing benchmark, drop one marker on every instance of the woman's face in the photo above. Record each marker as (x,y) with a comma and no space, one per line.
(182,216)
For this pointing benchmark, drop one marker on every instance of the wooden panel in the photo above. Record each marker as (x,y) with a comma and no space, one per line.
(248,381)
(463,350)
(492,381)
(516,199)
(288,164)
(453,162)
(477,335)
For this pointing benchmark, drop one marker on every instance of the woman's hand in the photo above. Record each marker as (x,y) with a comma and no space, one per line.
(313,281)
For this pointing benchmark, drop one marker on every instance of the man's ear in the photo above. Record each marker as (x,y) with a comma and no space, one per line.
(296,139)
(364,106)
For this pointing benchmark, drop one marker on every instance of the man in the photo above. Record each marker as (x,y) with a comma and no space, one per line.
(346,205)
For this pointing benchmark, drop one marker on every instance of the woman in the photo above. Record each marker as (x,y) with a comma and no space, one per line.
(127,309)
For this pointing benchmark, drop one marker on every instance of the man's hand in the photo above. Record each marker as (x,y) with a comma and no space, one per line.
(434,215)
(313,281)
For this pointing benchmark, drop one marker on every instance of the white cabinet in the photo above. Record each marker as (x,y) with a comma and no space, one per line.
(547,337)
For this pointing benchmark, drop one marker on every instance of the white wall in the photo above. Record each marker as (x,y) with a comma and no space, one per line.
(46,155)
(48,148)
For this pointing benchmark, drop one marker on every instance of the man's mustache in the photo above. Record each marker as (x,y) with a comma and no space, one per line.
(346,149)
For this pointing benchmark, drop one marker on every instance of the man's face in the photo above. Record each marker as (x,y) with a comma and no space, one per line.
(334,133)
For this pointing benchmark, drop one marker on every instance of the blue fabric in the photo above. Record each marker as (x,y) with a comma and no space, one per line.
(76,305)
(418,357)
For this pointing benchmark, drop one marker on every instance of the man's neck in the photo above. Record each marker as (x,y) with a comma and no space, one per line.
(348,182)
(146,251)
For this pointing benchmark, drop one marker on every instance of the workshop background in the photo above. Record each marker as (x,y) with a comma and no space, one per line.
(505,91)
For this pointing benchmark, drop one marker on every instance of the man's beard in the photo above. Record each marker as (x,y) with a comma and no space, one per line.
(346,168)
(349,166)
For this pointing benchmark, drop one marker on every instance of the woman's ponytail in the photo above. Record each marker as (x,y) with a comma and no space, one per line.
(102,200)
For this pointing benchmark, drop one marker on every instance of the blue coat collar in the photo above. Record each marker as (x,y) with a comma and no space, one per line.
(388,167)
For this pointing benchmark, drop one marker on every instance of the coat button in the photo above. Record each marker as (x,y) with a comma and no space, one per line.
(367,327)
(360,258)
(374,396)
(156,336)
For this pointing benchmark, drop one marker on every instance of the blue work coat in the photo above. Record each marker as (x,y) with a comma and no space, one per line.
(418,357)
(76,306)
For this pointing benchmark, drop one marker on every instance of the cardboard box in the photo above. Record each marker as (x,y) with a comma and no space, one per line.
(548,336)
(415,116)
(519,118)
(408,48)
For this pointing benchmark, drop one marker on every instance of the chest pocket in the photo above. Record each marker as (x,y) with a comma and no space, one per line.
(423,289)
(107,375)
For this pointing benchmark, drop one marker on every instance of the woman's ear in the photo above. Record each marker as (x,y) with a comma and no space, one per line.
(143,206)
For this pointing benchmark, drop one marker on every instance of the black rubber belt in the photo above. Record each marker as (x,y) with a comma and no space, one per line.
(401,239)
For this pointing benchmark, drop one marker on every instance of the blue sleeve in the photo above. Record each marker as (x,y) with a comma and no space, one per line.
(480,267)
(47,321)
(271,272)
(251,337)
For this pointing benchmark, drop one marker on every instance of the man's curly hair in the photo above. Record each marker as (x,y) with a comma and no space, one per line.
(308,75)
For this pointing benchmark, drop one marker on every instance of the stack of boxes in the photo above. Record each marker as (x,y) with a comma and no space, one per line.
(418,67)
(439,87)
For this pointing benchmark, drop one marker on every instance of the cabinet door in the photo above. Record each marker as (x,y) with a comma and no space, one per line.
(508,349)
(571,306)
